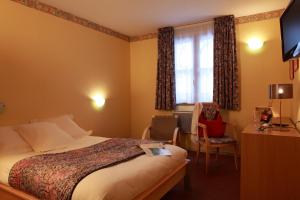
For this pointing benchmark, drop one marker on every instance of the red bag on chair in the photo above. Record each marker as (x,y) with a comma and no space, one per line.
(215,127)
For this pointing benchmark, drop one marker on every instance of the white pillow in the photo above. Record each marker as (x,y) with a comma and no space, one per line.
(66,123)
(44,136)
(11,142)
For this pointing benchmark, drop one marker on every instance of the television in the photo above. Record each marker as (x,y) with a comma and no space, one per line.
(290,31)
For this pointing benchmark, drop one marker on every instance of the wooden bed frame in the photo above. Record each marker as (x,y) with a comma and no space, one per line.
(156,192)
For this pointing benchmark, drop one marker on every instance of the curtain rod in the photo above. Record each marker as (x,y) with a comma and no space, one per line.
(193,24)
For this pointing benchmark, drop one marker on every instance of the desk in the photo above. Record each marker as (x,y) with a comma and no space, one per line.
(270,164)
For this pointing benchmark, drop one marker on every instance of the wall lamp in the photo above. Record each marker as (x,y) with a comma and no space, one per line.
(98,101)
(255,43)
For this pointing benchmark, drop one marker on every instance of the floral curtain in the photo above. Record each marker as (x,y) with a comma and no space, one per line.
(165,83)
(226,79)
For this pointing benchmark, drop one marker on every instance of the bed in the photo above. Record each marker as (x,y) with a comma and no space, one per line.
(143,177)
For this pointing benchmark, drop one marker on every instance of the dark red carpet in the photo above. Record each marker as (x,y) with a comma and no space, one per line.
(221,183)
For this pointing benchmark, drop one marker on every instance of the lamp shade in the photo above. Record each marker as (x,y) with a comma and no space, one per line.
(281,91)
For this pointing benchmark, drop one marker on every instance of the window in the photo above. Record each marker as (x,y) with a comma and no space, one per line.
(194,63)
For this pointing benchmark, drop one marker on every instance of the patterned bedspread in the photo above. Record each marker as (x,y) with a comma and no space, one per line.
(55,176)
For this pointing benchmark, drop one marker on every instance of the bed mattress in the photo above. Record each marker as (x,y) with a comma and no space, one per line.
(122,181)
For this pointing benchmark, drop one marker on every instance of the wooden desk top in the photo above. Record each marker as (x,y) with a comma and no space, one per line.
(289,131)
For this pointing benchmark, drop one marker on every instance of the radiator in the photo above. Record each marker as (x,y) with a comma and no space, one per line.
(184,121)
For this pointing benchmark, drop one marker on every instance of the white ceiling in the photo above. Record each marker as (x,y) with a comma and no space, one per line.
(138,17)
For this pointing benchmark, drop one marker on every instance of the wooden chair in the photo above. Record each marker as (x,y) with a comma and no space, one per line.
(163,128)
(211,109)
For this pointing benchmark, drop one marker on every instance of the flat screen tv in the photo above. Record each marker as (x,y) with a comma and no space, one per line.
(290,31)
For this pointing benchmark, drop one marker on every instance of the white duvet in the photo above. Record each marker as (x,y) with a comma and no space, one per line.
(123,181)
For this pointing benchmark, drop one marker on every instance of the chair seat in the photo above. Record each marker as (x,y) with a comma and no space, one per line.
(222,140)
(212,112)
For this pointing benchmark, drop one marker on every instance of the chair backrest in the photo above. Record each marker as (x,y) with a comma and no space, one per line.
(210,110)
(162,127)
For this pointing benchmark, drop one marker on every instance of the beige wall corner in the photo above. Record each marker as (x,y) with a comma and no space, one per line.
(143,59)
(143,56)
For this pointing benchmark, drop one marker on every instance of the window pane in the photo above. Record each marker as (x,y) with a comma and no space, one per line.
(184,70)
(194,63)
(205,72)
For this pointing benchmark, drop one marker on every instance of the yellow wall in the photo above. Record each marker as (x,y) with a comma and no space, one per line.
(296,99)
(257,71)
(260,69)
(49,66)
(143,56)
(143,59)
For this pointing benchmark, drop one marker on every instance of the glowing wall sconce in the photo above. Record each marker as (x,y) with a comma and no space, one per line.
(255,43)
(98,101)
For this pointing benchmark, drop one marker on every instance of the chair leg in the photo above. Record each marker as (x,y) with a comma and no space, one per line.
(186,179)
(217,152)
(206,159)
(235,156)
